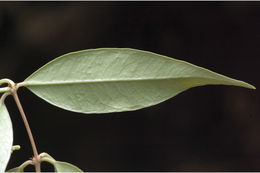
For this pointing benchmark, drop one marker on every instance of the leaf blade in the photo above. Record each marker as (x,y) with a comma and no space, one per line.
(117,79)
(6,137)
(65,167)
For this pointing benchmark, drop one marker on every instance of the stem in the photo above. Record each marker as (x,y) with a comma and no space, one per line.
(8,81)
(36,158)
(22,166)
(5,89)
(49,160)
(2,99)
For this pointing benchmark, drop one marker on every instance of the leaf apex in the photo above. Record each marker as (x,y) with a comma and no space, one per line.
(249,86)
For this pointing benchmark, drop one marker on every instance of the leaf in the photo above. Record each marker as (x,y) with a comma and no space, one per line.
(117,79)
(6,137)
(58,165)
(65,167)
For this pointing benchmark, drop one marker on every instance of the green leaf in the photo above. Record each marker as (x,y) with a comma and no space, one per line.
(65,167)
(6,136)
(117,79)
(58,165)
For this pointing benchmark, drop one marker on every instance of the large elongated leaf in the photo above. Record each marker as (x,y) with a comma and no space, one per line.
(117,79)
(6,137)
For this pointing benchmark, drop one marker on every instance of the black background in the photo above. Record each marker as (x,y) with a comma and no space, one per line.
(209,128)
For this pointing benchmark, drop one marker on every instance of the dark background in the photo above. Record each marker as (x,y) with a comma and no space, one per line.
(209,128)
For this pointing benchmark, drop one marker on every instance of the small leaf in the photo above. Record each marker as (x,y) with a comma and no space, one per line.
(117,79)
(65,167)
(6,136)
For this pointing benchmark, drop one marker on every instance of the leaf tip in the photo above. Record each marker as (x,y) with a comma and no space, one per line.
(252,87)
(243,84)
(249,86)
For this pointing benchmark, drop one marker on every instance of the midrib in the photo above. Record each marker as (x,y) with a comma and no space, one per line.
(33,83)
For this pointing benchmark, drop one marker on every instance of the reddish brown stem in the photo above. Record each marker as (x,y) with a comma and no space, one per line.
(36,158)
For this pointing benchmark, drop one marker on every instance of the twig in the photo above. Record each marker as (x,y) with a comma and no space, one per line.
(36,159)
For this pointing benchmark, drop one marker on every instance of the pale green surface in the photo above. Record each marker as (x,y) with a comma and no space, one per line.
(58,165)
(65,167)
(6,137)
(117,79)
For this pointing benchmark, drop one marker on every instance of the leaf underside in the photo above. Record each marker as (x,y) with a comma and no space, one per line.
(6,137)
(117,79)
(65,167)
